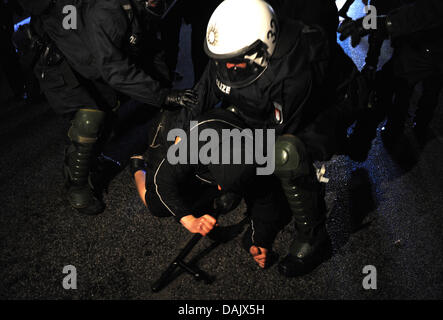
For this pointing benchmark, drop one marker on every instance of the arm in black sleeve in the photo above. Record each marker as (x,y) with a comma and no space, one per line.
(107,36)
(419,16)
(164,184)
(169,184)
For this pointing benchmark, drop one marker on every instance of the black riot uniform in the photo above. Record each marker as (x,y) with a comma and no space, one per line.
(416,32)
(308,95)
(417,57)
(322,13)
(120,56)
(416,16)
(196,13)
(90,62)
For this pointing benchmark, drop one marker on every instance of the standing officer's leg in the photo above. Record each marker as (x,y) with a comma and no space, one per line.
(83,135)
(426,105)
(397,114)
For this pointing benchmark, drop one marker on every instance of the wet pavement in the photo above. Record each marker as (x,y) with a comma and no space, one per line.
(383,214)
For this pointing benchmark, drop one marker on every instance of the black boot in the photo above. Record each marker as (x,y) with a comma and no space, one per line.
(80,192)
(311,244)
(78,160)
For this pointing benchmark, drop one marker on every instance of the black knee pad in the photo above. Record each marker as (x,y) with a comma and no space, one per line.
(291,158)
(86,126)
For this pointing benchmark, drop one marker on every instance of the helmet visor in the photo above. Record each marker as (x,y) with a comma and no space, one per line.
(238,72)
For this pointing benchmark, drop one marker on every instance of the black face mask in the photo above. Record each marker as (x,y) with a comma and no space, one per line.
(240,71)
(36,7)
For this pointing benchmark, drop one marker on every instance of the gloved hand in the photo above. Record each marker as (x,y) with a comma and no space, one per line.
(356,29)
(181,98)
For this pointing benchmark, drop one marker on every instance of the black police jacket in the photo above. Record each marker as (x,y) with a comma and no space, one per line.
(323,13)
(417,16)
(306,77)
(101,48)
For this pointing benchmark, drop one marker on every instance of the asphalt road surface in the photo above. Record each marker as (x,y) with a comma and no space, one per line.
(383,215)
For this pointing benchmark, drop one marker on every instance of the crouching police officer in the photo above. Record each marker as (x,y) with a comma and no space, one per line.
(283,75)
(104,53)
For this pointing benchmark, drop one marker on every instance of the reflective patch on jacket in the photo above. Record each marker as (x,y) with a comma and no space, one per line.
(223,87)
(278,113)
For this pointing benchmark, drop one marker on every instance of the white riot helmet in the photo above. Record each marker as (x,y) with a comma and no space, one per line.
(241,38)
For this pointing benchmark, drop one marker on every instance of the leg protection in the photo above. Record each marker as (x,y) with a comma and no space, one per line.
(305,198)
(83,135)
(299,183)
(86,126)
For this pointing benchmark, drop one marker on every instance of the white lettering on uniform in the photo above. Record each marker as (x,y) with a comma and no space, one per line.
(223,87)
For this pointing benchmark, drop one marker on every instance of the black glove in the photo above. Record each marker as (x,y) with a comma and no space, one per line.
(182,98)
(356,30)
